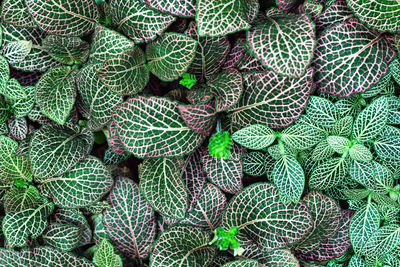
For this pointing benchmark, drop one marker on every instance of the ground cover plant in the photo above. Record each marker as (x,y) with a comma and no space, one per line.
(199,133)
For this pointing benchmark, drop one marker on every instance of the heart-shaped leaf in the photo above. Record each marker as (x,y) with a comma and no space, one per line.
(56,92)
(105,255)
(84,184)
(200,118)
(162,186)
(137,20)
(20,198)
(16,12)
(162,134)
(273,225)
(276,43)
(66,50)
(272,100)
(64,237)
(183,246)
(181,8)
(72,18)
(125,74)
(337,70)
(170,56)
(256,136)
(130,222)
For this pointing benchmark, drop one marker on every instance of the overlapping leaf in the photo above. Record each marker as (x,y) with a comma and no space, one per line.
(385,240)
(20,198)
(13,90)
(301,136)
(328,173)
(336,12)
(257,164)
(182,8)
(105,255)
(66,50)
(42,256)
(64,237)
(372,175)
(16,51)
(242,263)
(200,117)
(322,111)
(388,147)
(278,257)
(16,12)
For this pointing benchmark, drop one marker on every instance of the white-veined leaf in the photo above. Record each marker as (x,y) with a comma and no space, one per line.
(20,198)
(66,49)
(339,144)
(329,173)
(301,136)
(63,237)
(256,136)
(360,153)
(322,111)
(181,8)
(105,255)
(16,51)
(16,12)
(388,147)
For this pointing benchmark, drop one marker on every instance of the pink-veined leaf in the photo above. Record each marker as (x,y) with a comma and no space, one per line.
(181,8)
(200,117)
(277,258)
(334,13)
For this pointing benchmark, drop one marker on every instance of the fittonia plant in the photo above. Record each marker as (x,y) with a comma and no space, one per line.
(199,133)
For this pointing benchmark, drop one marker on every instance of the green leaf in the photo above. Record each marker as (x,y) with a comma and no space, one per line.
(66,50)
(385,240)
(257,164)
(4,110)
(370,122)
(221,17)
(339,144)
(64,237)
(322,151)
(356,261)
(328,173)
(275,42)
(16,51)
(372,175)
(343,127)
(242,263)
(16,12)
(388,147)
(13,90)
(200,118)
(170,56)
(380,15)
(322,111)
(130,222)
(363,226)
(273,224)
(183,246)
(72,18)
(256,136)
(288,177)
(43,256)
(152,127)
(54,150)
(301,136)
(98,102)
(162,186)
(84,184)
(181,8)
(105,255)
(18,128)
(356,194)
(125,74)
(4,74)
(56,93)
(360,153)
(22,107)
(12,166)
(20,198)
(138,21)
(18,226)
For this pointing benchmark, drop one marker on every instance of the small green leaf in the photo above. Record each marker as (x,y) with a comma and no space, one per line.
(360,153)
(13,90)
(322,111)
(372,175)
(339,144)
(64,237)
(220,145)
(301,136)
(388,147)
(21,198)
(322,151)
(188,80)
(105,255)
(16,51)
(256,136)
(329,173)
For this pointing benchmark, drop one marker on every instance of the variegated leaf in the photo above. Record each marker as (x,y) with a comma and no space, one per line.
(162,186)
(242,263)
(256,136)
(43,256)
(22,107)
(257,164)
(130,222)
(339,144)
(125,74)
(72,18)
(385,240)
(105,255)
(84,184)
(152,127)
(272,100)
(66,50)
(322,111)
(200,118)
(328,173)
(360,153)
(54,151)
(183,246)
(181,8)
(284,44)
(335,12)
(301,136)
(388,147)
(278,257)
(18,128)
(20,198)
(64,237)
(344,67)
(13,90)
(372,175)
(16,51)
(137,20)
(16,12)
(322,151)
(170,56)
(273,224)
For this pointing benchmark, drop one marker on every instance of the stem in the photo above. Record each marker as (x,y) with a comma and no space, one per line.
(219,127)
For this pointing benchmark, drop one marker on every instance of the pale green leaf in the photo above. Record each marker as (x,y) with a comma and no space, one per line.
(328,173)
(64,237)
(13,90)
(372,175)
(322,151)
(339,144)
(388,147)
(343,126)
(360,153)
(322,111)
(256,136)
(105,255)
(20,198)
(16,51)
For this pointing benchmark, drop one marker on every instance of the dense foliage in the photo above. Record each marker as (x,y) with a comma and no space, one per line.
(199,133)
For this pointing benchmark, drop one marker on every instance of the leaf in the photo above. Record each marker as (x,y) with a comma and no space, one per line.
(385,240)
(344,67)
(56,92)
(278,258)
(54,151)
(181,8)
(256,163)
(372,175)
(20,198)
(162,186)
(66,50)
(84,184)
(242,263)
(363,226)
(276,43)
(339,144)
(152,127)
(136,20)
(336,12)
(356,261)
(64,237)
(328,173)
(377,14)
(200,118)
(18,128)
(226,174)
(256,136)
(125,74)
(210,54)
(301,136)
(325,214)
(220,18)
(322,111)
(394,68)
(287,4)
(16,12)
(42,256)
(183,246)
(16,51)
(272,100)
(72,18)
(130,222)
(273,225)
(322,151)
(4,112)
(18,226)
(370,122)
(170,56)
(105,255)
(22,107)
(343,127)
(12,166)
(107,44)
(13,90)
(360,153)
(388,147)
(288,177)
(98,101)
(208,209)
